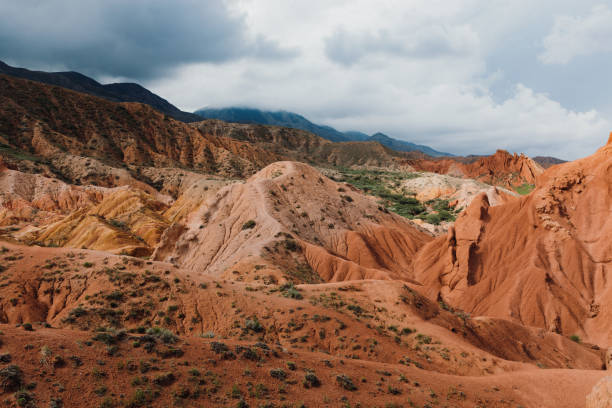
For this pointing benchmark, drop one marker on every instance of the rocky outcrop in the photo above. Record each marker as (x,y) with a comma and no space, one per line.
(541,260)
(601,395)
(500,169)
(35,199)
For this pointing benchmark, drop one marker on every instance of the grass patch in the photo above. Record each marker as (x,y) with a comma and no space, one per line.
(387,185)
(524,189)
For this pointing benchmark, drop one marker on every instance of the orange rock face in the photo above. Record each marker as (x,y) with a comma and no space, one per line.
(501,168)
(541,260)
(34,198)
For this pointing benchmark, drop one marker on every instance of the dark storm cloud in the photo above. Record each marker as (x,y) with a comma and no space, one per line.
(128,38)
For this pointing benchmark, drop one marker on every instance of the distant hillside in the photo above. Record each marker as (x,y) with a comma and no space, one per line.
(402,146)
(546,161)
(281,118)
(295,121)
(118,92)
(357,136)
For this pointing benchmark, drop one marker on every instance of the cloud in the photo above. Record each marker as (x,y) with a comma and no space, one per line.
(461,76)
(136,39)
(467,120)
(572,37)
(427,41)
(456,116)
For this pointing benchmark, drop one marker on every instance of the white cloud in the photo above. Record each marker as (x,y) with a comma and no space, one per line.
(418,70)
(466,120)
(572,37)
(426,41)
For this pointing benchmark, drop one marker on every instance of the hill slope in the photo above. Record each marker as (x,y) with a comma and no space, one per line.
(86,139)
(117,92)
(299,225)
(367,342)
(501,169)
(299,145)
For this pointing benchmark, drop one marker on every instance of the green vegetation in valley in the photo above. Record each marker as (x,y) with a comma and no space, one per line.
(524,189)
(18,154)
(387,185)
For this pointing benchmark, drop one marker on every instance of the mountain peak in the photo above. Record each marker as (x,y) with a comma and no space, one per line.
(379,136)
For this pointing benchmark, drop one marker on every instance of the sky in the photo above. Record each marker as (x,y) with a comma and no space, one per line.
(462,76)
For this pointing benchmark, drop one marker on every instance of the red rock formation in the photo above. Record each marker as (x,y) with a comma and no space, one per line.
(501,168)
(62,126)
(542,260)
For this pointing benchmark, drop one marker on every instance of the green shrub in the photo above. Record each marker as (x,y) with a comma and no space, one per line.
(253,325)
(24,398)
(165,335)
(11,378)
(278,373)
(291,245)
(290,291)
(110,336)
(141,398)
(311,380)
(164,379)
(345,382)
(218,347)
(250,224)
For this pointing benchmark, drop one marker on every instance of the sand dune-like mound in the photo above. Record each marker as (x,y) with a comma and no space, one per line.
(541,260)
(33,198)
(296,222)
(125,221)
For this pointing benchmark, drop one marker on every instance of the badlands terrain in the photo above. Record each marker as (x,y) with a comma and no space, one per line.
(147,262)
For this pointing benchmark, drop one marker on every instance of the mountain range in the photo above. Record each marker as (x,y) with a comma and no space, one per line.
(296,121)
(133,92)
